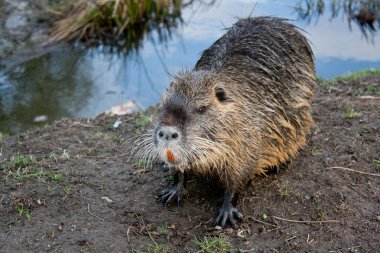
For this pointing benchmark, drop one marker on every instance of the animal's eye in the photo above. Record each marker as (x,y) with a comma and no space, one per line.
(201,109)
(220,94)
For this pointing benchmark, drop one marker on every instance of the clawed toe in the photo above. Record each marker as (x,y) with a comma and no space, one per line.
(228,216)
(169,195)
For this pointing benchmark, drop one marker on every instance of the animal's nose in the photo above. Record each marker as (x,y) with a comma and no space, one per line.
(168,133)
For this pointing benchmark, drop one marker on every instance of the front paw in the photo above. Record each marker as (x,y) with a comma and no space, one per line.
(227,215)
(174,194)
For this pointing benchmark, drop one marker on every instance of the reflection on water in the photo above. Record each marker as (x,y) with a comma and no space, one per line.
(73,83)
(120,26)
(54,85)
(365,13)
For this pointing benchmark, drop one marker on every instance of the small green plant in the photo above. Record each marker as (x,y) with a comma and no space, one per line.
(28,172)
(321,214)
(21,161)
(360,74)
(113,136)
(23,211)
(54,176)
(348,77)
(213,244)
(163,230)
(67,189)
(22,173)
(156,247)
(142,120)
(285,192)
(376,163)
(53,156)
(264,216)
(97,135)
(327,83)
(369,90)
(351,113)
(313,151)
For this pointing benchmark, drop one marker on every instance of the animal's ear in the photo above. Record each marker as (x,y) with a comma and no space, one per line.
(220,94)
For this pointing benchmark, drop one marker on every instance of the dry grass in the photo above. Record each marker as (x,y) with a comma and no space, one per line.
(107,21)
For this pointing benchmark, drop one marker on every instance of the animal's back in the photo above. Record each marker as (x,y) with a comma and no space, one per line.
(270,61)
(269,42)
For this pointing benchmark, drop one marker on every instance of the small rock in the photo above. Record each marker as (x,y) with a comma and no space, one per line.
(15,21)
(117,123)
(228,230)
(40,118)
(125,108)
(107,199)
(240,233)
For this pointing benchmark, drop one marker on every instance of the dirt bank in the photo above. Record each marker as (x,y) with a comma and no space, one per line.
(69,187)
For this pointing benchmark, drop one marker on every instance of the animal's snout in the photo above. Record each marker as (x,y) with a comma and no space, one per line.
(168,133)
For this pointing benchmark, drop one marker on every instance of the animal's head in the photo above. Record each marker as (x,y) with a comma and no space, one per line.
(190,124)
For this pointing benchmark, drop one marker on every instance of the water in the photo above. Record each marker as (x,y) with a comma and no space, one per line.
(72,83)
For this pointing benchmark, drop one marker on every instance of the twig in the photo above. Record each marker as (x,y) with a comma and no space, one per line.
(247,250)
(202,223)
(262,222)
(277,228)
(76,123)
(128,239)
(369,97)
(6,235)
(291,238)
(88,209)
(357,171)
(306,222)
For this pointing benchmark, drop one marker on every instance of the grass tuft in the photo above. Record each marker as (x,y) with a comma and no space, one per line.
(21,161)
(355,76)
(360,74)
(351,113)
(24,211)
(141,121)
(156,247)
(376,163)
(22,167)
(213,244)
(285,192)
(120,22)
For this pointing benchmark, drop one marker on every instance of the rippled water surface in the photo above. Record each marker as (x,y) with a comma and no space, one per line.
(71,82)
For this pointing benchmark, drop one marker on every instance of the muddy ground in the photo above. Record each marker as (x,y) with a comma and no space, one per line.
(80,192)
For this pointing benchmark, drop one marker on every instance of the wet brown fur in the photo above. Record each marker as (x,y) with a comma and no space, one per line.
(266,68)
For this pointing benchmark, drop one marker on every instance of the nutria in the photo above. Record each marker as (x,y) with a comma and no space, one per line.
(245,107)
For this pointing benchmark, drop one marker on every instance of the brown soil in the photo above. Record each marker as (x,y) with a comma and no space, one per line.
(327,209)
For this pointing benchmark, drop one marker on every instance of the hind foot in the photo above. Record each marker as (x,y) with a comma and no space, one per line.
(174,194)
(228,213)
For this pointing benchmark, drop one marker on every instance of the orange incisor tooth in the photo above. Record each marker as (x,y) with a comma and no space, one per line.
(170,156)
